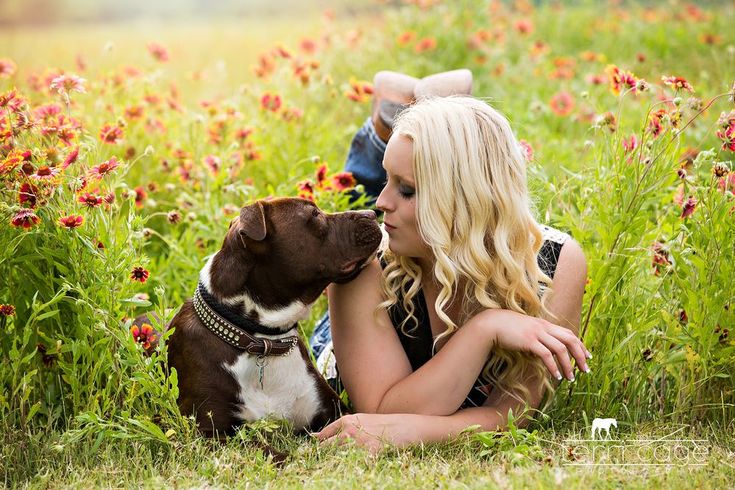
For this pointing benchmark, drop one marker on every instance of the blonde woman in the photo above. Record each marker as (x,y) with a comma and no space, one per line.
(459,320)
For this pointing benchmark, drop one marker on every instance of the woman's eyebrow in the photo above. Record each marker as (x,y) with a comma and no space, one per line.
(401,178)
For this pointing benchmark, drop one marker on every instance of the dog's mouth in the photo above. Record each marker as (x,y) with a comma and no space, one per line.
(352,269)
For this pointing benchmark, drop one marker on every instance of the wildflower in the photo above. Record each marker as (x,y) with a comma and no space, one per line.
(44,172)
(71,221)
(243,133)
(48,360)
(679,195)
(28,195)
(64,84)
(158,52)
(608,120)
(710,38)
(25,218)
(270,102)
(143,335)
(71,157)
(677,83)
(139,274)
(90,200)
(595,79)
(104,168)
(647,354)
(720,169)
(7,68)
(660,260)
(134,112)
(321,174)
(655,122)
(343,181)
(689,205)
(360,91)
(526,150)
(524,26)
(213,163)
(562,103)
(727,183)
(7,310)
(641,85)
(425,44)
(630,143)
(620,79)
(111,134)
(405,37)
(292,114)
(683,317)
(11,161)
(173,217)
(726,131)
(695,104)
(140,196)
(305,186)
(308,46)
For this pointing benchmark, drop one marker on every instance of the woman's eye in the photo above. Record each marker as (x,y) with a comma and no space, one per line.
(406,192)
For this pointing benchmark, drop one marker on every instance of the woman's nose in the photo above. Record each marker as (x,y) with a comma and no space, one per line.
(383,203)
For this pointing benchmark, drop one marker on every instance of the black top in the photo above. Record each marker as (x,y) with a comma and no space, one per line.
(418,344)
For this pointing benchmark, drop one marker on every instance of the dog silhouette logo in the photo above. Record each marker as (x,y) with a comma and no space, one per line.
(598,425)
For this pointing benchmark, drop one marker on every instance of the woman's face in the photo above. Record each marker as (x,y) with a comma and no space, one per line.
(398,200)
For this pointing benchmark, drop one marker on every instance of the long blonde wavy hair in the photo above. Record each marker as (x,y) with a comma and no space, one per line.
(474,212)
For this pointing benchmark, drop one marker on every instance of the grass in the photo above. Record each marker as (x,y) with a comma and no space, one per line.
(81,407)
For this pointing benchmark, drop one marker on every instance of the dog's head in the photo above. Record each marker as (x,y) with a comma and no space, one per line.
(284,250)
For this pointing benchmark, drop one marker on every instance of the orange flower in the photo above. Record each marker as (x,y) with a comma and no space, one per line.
(406,37)
(562,104)
(677,83)
(360,91)
(343,180)
(25,218)
(104,168)
(524,26)
(425,44)
(7,310)
(620,79)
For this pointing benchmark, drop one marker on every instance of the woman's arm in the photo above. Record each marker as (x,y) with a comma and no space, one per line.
(377,374)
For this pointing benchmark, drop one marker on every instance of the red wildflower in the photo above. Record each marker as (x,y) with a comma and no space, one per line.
(630,143)
(524,26)
(243,133)
(308,46)
(12,160)
(405,37)
(71,157)
(689,205)
(527,150)
(270,102)
(111,134)
(71,221)
(28,195)
(620,79)
(213,163)
(44,172)
(343,181)
(7,68)
(90,200)
(677,83)
(660,258)
(306,186)
(143,335)
(139,274)
(321,174)
(158,52)
(173,217)
(140,196)
(727,183)
(134,112)
(104,168)
(655,122)
(7,310)
(425,44)
(562,104)
(726,131)
(25,218)
(360,91)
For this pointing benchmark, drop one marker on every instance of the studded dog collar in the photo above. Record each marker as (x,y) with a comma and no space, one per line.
(236,336)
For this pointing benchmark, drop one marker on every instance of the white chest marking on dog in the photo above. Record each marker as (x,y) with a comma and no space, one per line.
(277,318)
(288,392)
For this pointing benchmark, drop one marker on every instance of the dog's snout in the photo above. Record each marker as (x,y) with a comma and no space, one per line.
(366,213)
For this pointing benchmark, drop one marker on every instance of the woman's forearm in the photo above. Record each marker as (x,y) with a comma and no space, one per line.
(440,386)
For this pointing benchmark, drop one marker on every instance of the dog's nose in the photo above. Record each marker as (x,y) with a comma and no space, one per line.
(367,213)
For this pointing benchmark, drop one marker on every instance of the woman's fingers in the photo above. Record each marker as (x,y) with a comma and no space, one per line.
(560,352)
(330,430)
(547,357)
(574,345)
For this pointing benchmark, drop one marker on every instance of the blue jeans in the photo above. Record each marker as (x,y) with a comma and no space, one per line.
(365,161)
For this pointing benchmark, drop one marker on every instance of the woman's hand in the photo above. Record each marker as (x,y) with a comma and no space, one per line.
(519,332)
(370,431)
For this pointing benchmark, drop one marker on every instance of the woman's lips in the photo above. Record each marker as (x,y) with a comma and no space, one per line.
(388,227)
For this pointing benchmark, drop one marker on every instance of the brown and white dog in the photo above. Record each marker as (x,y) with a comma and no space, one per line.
(235,346)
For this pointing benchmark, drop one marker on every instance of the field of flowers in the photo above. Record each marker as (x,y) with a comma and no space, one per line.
(122,163)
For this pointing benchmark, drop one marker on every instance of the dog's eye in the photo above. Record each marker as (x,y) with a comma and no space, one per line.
(315,213)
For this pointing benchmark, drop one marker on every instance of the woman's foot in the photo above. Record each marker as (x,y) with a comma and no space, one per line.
(394,91)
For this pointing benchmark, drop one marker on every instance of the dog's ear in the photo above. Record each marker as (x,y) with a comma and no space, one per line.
(252,221)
